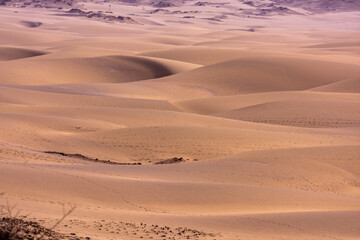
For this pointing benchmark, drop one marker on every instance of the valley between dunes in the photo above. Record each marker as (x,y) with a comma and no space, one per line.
(267,123)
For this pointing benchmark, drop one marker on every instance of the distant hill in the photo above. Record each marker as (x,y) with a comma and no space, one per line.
(257,7)
(319,6)
(39,3)
(72,3)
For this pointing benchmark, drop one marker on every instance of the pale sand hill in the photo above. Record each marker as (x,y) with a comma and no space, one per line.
(263,74)
(217,104)
(349,85)
(260,109)
(302,113)
(107,69)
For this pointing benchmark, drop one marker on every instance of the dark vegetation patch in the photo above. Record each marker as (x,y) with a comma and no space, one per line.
(171,160)
(147,231)
(18,229)
(82,157)
(31,24)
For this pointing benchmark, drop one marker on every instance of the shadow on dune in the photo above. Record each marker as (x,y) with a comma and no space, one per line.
(157,69)
(8,53)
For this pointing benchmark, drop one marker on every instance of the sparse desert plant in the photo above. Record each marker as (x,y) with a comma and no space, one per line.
(13,226)
(8,229)
(65,214)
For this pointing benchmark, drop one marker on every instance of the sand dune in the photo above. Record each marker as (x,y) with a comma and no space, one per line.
(110,69)
(249,75)
(214,105)
(112,141)
(207,120)
(205,197)
(349,85)
(80,100)
(300,113)
(21,37)
(200,55)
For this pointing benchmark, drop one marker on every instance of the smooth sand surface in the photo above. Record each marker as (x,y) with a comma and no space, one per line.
(264,111)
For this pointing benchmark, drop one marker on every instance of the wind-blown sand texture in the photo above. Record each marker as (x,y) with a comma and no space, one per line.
(193,120)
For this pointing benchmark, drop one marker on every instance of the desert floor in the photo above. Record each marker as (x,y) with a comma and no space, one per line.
(265,113)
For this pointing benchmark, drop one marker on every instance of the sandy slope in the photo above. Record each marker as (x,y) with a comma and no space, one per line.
(264,74)
(107,69)
(304,113)
(264,111)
